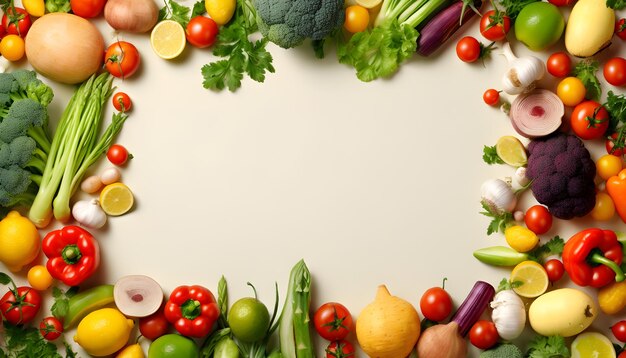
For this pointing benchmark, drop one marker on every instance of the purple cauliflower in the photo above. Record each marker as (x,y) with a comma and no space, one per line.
(562,174)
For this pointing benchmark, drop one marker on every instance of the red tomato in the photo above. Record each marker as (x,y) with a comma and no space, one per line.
(122,102)
(468,49)
(122,59)
(494,25)
(589,120)
(620,28)
(87,8)
(615,71)
(491,97)
(561,2)
(484,334)
(333,321)
(201,31)
(436,304)
(619,330)
(538,219)
(340,349)
(622,355)
(153,326)
(555,269)
(50,328)
(610,145)
(559,64)
(118,155)
(20,306)
(16,22)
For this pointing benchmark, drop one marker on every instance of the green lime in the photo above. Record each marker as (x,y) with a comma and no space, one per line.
(539,25)
(249,319)
(173,346)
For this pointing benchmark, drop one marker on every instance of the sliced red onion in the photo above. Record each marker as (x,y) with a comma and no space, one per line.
(137,295)
(537,114)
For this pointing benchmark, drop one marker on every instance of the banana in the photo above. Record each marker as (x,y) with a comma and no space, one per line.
(85,302)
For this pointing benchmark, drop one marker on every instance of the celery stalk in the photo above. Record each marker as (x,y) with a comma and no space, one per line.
(294,333)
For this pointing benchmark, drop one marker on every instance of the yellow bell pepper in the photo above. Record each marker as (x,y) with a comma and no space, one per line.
(35,8)
(612,298)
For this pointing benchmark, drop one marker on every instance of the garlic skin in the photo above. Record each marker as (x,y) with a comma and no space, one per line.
(89,214)
(523,72)
(498,195)
(509,314)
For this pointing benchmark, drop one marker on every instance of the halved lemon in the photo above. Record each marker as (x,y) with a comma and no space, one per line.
(533,277)
(116,199)
(168,39)
(511,151)
(592,344)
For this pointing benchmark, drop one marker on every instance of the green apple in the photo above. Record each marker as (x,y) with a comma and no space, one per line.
(539,25)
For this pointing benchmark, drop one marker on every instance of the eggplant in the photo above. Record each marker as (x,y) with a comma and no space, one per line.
(441,27)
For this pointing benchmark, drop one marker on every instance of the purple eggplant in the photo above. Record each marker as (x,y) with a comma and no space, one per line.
(441,27)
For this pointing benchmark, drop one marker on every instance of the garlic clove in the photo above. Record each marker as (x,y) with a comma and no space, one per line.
(89,214)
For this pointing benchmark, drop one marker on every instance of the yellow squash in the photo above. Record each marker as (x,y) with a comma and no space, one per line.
(589,28)
(565,311)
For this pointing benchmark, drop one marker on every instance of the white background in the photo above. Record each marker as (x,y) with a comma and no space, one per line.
(371,183)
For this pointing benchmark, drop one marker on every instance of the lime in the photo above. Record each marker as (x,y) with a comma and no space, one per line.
(511,151)
(173,346)
(533,277)
(103,332)
(592,345)
(539,25)
(116,199)
(249,319)
(168,39)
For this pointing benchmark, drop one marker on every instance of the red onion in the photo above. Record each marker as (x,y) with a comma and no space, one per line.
(537,114)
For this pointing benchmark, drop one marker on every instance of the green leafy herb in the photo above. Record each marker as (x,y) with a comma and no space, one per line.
(490,155)
(58,5)
(548,347)
(61,301)
(198,9)
(616,106)
(616,4)
(553,247)
(513,7)
(69,352)
(586,70)
(507,284)
(499,221)
(241,55)
(175,11)
(26,342)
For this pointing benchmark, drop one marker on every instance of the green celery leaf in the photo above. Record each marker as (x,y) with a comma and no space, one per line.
(586,70)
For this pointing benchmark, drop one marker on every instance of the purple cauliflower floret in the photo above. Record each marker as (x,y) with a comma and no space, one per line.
(562,174)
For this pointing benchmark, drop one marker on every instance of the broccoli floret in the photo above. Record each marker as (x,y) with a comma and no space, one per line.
(503,351)
(288,22)
(8,84)
(562,174)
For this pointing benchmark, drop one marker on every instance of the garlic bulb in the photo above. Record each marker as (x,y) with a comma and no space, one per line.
(522,72)
(509,314)
(520,176)
(498,195)
(89,213)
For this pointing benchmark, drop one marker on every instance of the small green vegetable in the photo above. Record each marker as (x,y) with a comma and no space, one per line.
(586,70)
(294,333)
(490,155)
(547,347)
(500,256)
(505,350)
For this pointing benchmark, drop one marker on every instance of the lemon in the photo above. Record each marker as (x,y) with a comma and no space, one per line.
(103,332)
(19,241)
(132,351)
(520,238)
(369,4)
(592,345)
(511,151)
(221,11)
(533,277)
(168,39)
(116,199)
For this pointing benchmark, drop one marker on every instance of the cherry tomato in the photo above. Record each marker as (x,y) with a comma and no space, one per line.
(436,304)
(333,321)
(615,71)
(468,49)
(494,25)
(484,334)
(608,165)
(357,19)
(619,330)
(491,97)
(201,31)
(16,21)
(559,64)
(538,219)
(340,349)
(620,28)
(571,91)
(20,306)
(554,269)
(589,120)
(122,59)
(122,102)
(610,145)
(12,47)
(153,326)
(118,155)
(561,2)
(604,209)
(50,328)
(87,8)
(622,355)
(39,278)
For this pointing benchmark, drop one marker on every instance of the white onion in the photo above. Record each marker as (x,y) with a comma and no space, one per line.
(131,15)
(537,114)
(137,295)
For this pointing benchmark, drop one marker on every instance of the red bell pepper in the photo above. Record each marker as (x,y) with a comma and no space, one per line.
(616,187)
(73,254)
(192,310)
(592,258)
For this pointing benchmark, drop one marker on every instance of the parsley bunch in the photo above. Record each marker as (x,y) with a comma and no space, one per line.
(26,342)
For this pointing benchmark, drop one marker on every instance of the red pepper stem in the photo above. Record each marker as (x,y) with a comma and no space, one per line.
(71,254)
(599,259)
(190,309)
